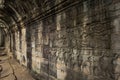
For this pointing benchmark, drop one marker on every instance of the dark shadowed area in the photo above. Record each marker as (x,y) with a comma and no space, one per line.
(60,39)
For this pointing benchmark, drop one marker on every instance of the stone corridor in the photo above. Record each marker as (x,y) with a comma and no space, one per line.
(60,39)
(11,70)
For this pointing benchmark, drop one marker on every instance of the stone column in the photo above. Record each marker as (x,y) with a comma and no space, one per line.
(86,51)
(23,47)
(59,43)
(116,46)
(39,46)
(17,45)
(0,37)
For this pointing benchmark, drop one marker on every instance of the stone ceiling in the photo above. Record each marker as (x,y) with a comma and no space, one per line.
(15,12)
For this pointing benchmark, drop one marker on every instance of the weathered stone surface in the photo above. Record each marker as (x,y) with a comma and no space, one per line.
(67,39)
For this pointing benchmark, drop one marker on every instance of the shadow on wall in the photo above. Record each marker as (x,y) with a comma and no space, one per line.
(29,48)
(71,75)
(103,70)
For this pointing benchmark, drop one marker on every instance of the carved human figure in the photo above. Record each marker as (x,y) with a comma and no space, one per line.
(96,67)
(86,66)
(117,68)
(106,66)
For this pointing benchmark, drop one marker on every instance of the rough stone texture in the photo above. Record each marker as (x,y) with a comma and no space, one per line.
(11,70)
(69,40)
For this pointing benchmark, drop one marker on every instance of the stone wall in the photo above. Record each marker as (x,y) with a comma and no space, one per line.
(77,40)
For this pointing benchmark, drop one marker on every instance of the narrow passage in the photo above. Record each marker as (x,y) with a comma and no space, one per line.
(12,70)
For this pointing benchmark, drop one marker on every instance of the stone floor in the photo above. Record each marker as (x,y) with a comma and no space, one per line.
(11,70)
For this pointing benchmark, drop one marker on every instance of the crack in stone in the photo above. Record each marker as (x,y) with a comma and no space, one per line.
(1,69)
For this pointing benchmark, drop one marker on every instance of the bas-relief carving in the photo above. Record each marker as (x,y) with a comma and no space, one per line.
(106,67)
(86,66)
(80,48)
(116,62)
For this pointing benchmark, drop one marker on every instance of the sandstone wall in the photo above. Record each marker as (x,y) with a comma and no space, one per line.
(73,40)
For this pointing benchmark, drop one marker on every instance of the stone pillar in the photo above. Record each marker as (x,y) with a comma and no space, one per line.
(7,43)
(116,46)
(0,37)
(86,51)
(60,65)
(39,46)
(23,47)
(17,45)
